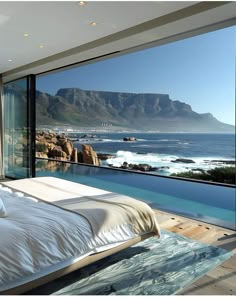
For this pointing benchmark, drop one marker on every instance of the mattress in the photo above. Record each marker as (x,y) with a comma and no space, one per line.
(38,238)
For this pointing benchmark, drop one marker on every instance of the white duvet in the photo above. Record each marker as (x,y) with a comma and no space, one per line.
(37,238)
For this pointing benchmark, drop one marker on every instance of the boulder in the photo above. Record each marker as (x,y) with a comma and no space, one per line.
(60,147)
(138,167)
(89,155)
(88,136)
(227,162)
(143,167)
(58,153)
(74,155)
(53,140)
(50,146)
(183,160)
(129,139)
(48,136)
(41,147)
(67,147)
(55,146)
(61,141)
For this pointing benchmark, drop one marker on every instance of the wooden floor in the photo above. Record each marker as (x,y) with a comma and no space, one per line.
(219,281)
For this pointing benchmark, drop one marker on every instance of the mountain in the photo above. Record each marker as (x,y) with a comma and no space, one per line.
(143,111)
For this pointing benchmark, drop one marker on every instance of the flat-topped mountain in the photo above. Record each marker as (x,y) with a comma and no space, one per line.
(143,111)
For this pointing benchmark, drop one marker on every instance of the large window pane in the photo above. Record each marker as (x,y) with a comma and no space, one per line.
(16,143)
(167,110)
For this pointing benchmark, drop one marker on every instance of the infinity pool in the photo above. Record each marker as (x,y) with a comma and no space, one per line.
(211,203)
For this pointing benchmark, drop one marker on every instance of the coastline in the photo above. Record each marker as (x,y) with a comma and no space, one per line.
(156,153)
(161,151)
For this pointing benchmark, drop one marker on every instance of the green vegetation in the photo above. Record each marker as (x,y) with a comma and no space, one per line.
(220,174)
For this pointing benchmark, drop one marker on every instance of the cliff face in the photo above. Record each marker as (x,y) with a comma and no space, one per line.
(73,106)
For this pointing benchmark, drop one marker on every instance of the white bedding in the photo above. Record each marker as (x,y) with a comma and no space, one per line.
(37,238)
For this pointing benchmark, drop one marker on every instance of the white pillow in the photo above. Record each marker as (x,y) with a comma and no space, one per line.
(3,212)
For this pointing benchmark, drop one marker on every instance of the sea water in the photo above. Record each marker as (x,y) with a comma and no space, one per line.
(161,150)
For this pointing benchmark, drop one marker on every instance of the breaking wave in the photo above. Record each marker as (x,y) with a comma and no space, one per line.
(165,163)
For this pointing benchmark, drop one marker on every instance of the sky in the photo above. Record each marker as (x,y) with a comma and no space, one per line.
(199,71)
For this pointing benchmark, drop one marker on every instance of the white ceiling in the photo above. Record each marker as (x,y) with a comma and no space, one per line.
(64,25)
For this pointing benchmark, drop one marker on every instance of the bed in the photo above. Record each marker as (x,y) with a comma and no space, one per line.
(52,227)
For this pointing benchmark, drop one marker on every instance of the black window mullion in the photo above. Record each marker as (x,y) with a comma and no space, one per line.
(31,124)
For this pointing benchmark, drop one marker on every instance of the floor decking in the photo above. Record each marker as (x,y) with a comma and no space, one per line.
(219,281)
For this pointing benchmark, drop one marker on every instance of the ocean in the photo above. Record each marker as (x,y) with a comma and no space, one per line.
(161,150)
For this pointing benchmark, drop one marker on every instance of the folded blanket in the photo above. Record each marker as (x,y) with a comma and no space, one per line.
(104,210)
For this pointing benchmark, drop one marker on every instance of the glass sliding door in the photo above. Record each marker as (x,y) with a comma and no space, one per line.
(18,150)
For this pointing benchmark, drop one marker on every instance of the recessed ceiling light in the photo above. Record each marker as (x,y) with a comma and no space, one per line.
(26,34)
(93,24)
(41,46)
(81,3)
(10,60)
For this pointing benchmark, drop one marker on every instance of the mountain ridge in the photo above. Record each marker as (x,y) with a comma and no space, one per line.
(140,111)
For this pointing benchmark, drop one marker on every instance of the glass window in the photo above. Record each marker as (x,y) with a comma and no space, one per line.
(167,110)
(16,143)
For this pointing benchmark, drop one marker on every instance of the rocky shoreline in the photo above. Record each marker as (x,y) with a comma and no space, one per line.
(136,167)
(149,168)
(60,147)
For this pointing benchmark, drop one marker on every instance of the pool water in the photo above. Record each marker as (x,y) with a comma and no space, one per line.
(211,203)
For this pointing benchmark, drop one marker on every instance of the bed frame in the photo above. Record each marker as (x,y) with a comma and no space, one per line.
(79,264)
